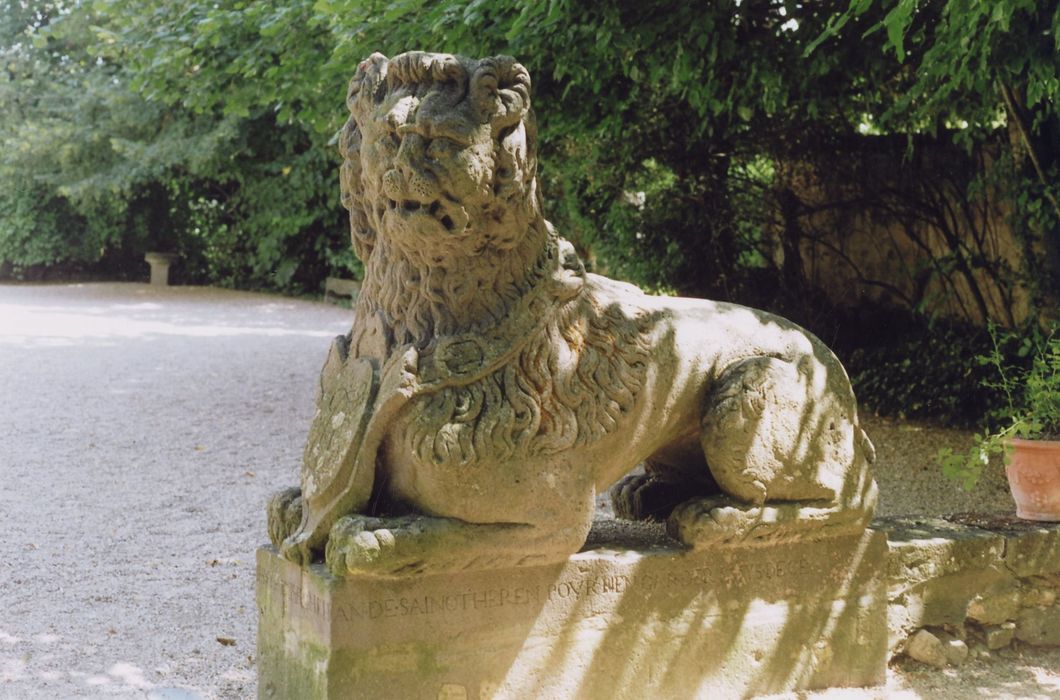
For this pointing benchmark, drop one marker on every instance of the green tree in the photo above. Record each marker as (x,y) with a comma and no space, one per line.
(674,99)
(662,124)
(98,170)
(82,158)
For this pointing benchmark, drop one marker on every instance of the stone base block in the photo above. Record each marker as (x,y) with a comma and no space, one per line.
(655,621)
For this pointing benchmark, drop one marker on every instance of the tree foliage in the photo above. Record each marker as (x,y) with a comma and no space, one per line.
(976,68)
(100,166)
(208,127)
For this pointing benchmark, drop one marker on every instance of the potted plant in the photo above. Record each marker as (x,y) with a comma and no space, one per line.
(1029,439)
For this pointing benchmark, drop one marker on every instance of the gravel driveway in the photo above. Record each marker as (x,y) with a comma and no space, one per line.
(142,430)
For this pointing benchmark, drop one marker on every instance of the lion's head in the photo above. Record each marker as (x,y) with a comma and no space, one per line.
(439,176)
(440,153)
(440,160)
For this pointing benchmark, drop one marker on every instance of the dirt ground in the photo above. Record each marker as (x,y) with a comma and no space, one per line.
(142,430)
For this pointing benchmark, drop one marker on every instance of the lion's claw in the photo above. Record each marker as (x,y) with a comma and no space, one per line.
(647,497)
(284,515)
(715,520)
(363,544)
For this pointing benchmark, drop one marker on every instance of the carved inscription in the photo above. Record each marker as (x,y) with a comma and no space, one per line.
(405,606)
(724,575)
(306,601)
(766,571)
(730,574)
(588,586)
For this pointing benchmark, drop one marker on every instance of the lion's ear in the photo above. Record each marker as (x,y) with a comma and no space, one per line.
(514,92)
(369,76)
(500,90)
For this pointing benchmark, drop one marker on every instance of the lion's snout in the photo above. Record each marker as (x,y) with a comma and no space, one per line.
(409,193)
(404,182)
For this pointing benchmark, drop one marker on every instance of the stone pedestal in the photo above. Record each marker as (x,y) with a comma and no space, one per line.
(613,622)
(160,263)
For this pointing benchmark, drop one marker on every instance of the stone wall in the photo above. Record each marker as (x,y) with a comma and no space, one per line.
(970,585)
(872,222)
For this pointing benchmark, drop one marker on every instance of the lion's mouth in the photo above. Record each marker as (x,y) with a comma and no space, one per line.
(435,210)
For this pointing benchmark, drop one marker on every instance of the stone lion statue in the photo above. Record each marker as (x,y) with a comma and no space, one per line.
(490,387)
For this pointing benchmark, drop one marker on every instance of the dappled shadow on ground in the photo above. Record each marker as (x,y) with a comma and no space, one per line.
(1026,673)
(134,464)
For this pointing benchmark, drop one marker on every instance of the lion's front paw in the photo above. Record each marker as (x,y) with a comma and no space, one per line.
(360,544)
(712,521)
(285,515)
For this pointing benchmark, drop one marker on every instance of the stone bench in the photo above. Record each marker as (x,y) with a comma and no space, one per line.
(336,288)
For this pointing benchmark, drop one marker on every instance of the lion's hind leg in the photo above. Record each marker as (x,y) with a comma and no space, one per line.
(653,494)
(643,496)
(781,440)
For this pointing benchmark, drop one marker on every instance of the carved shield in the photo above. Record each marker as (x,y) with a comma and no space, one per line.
(354,410)
(330,468)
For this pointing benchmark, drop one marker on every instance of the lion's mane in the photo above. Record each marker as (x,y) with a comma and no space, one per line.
(569,386)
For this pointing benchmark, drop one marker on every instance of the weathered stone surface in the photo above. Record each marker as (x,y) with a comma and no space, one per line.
(1041,592)
(990,570)
(937,570)
(926,648)
(489,386)
(1039,625)
(936,647)
(1033,549)
(922,549)
(997,608)
(955,649)
(945,600)
(607,623)
(999,636)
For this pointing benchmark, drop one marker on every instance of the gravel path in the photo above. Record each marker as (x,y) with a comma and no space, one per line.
(141,431)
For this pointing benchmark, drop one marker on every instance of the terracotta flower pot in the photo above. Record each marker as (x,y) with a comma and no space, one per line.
(1034,478)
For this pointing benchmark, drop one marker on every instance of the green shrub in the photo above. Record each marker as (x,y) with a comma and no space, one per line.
(906,367)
